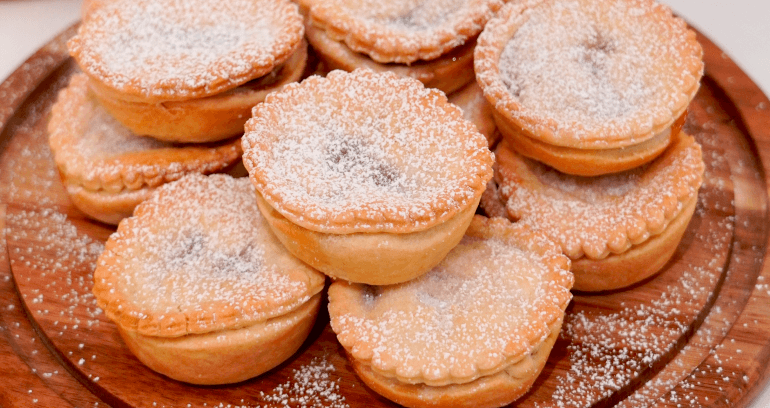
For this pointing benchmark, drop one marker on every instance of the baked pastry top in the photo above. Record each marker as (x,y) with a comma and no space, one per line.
(364,152)
(198,257)
(488,304)
(590,74)
(182,49)
(597,216)
(476,109)
(93,150)
(402,31)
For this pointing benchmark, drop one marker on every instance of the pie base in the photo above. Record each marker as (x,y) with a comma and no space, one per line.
(638,263)
(111,208)
(379,258)
(200,120)
(449,72)
(108,208)
(587,162)
(229,356)
(477,110)
(491,391)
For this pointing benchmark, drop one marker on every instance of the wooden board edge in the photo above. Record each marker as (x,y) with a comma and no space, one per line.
(21,377)
(754,110)
(29,75)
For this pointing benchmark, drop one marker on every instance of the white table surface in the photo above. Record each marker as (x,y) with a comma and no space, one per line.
(739,27)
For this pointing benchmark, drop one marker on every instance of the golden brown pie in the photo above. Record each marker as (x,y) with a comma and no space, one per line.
(107,169)
(476,109)
(200,289)
(475,331)
(589,87)
(367,177)
(189,71)
(431,41)
(618,229)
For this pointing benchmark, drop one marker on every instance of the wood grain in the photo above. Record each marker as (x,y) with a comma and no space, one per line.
(696,335)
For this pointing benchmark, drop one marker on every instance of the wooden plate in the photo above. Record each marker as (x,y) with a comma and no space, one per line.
(696,335)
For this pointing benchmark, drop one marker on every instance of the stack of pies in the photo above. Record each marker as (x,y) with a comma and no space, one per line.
(590,98)
(168,85)
(373,178)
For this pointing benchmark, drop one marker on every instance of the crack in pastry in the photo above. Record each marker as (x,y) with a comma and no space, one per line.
(107,169)
(352,156)
(195,279)
(496,301)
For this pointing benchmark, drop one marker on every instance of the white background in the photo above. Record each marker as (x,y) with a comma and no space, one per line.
(739,27)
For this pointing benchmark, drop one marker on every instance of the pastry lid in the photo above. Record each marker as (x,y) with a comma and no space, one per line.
(590,74)
(183,49)
(597,216)
(402,31)
(490,303)
(364,152)
(93,150)
(198,257)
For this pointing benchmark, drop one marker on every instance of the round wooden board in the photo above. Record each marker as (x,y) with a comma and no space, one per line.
(696,335)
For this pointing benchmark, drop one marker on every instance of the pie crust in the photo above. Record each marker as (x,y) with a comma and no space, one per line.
(198,266)
(591,162)
(491,391)
(476,109)
(88,6)
(365,152)
(106,168)
(374,258)
(619,228)
(588,75)
(367,177)
(492,308)
(448,72)
(200,120)
(402,31)
(237,354)
(150,53)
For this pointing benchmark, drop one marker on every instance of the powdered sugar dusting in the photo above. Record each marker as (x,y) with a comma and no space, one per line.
(404,31)
(411,15)
(99,135)
(104,137)
(351,144)
(589,69)
(94,151)
(174,48)
(481,306)
(64,259)
(311,386)
(598,215)
(199,245)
